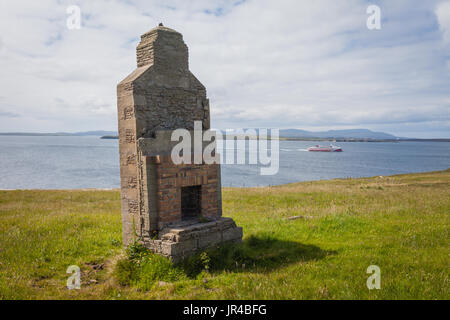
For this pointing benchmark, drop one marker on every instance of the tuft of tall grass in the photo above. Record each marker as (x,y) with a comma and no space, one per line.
(142,268)
(264,252)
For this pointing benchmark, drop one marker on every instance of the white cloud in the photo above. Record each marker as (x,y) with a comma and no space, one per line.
(283,63)
(443,15)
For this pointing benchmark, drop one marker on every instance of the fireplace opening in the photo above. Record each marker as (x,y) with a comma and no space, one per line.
(190,202)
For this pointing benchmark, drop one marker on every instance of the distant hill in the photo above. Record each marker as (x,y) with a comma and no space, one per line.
(287,134)
(284,133)
(96,133)
(85,133)
(336,134)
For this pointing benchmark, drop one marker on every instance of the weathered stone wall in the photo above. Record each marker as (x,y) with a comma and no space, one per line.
(128,157)
(171,109)
(164,48)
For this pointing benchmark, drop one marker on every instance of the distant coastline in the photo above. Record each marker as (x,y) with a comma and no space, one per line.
(60,134)
(352,135)
(332,139)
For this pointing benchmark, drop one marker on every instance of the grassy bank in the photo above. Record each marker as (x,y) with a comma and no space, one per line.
(398,223)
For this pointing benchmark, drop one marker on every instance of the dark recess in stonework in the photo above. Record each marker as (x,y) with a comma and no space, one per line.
(190,202)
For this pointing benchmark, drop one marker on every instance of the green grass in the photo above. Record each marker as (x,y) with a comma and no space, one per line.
(398,223)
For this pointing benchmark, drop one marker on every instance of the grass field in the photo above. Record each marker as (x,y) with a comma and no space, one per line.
(398,223)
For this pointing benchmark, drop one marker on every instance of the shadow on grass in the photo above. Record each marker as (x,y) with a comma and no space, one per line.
(256,254)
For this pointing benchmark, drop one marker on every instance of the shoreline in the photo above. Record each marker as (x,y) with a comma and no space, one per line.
(249,187)
(237,137)
(330,139)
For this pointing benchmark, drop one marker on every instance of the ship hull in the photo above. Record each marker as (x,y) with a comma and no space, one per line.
(324,149)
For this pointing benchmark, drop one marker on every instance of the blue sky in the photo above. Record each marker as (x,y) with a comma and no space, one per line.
(288,64)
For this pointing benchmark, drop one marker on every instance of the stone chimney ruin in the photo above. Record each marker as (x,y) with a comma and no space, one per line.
(173,209)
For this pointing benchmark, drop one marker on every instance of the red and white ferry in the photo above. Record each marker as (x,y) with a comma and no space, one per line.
(330,148)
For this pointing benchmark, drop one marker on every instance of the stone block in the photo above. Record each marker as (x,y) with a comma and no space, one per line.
(209,239)
(232,234)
